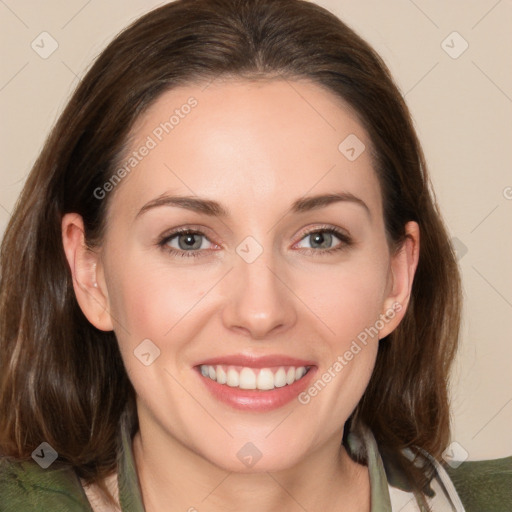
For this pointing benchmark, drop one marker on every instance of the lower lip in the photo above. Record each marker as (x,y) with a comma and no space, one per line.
(256,400)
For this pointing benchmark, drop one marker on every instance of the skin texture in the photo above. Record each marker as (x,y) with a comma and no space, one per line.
(255,147)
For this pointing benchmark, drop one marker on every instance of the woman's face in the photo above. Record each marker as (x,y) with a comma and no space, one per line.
(287,269)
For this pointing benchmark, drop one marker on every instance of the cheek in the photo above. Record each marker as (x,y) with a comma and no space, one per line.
(151,302)
(349,297)
(148,300)
(348,305)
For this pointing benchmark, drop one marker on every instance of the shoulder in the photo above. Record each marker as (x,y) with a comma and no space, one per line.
(479,486)
(484,485)
(26,487)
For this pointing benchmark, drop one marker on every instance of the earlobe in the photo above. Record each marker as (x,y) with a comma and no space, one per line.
(403,269)
(90,289)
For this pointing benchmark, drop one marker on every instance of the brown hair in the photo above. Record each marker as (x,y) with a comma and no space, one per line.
(61,379)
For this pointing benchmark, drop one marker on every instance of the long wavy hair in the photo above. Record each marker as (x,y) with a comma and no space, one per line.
(61,379)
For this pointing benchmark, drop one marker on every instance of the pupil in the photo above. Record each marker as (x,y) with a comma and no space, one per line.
(321,238)
(189,241)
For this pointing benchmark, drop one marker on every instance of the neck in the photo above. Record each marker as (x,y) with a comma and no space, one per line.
(174,478)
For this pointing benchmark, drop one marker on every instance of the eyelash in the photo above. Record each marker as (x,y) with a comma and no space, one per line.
(345,240)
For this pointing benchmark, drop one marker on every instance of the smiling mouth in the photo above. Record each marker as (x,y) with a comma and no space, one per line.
(262,379)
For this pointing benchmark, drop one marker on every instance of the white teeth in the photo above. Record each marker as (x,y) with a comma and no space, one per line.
(233,378)
(265,379)
(253,378)
(280,378)
(221,375)
(247,379)
(300,372)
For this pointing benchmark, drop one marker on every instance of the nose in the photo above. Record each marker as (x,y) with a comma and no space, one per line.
(258,301)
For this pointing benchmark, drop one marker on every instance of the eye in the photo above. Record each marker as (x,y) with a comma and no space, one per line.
(321,240)
(185,243)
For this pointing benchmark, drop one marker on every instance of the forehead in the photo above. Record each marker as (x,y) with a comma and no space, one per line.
(249,142)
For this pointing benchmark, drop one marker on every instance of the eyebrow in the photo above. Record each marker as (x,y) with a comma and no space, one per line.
(215,209)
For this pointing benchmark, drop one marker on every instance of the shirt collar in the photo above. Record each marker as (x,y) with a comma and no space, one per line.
(130,496)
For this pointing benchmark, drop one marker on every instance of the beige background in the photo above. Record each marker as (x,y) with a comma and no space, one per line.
(462,109)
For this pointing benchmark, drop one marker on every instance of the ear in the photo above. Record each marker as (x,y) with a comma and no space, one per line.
(403,267)
(87,272)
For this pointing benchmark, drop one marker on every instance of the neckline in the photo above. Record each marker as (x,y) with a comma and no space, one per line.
(130,495)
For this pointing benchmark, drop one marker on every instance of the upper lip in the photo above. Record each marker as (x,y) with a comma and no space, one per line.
(252,361)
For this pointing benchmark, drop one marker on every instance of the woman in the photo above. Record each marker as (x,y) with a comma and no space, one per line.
(172,336)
